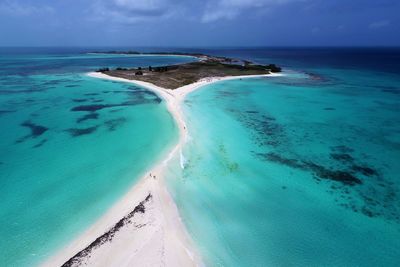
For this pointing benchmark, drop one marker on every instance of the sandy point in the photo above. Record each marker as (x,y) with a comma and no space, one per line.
(156,236)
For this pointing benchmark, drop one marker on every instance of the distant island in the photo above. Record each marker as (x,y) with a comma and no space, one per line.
(175,76)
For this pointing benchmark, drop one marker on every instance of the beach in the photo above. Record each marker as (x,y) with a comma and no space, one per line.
(155,237)
(101,171)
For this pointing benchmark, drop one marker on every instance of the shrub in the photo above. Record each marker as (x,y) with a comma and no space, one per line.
(274,68)
(103,69)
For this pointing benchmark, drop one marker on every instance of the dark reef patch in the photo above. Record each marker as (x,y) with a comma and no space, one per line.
(353,186)
(79,258)
(367,171)
(79,100)
(36,130)
(342,149)
(23,91)
(115,110)
(144,93)
(342,157)
(90,116)
(132,102)
(342,176)
(348,160)
(392,91)
(41,143)
(91,107)
(54,82)
(144,96)
(113,124)
(91,94)
(293,163)
(135,88)
(349,176)
(118,92)
(389,89)
(228,94)
(75,132)
(265,130)
(2,112)
(140,101)
(319,171)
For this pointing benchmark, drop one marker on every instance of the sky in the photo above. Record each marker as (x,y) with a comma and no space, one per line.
(191,23)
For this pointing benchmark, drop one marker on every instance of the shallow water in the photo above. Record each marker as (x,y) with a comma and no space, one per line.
(70,146)
(300,170)
(294,171)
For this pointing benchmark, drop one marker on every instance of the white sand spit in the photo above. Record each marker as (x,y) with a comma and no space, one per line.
(155,237)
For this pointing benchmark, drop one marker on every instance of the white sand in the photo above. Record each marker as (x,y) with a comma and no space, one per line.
(156,237)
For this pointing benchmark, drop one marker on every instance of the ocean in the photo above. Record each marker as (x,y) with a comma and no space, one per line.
(70,145)
(298,170)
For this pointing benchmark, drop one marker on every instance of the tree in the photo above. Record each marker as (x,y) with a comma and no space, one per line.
(274,68)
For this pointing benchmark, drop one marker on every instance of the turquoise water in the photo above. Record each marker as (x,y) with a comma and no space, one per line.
(71,145)
(301,170)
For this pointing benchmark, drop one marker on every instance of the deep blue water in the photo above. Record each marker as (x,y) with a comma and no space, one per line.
(375,59)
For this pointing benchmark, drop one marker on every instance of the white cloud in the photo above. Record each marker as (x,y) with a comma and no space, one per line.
(229,9)
(379,24)
(15,8)
(133,11)
(142,5)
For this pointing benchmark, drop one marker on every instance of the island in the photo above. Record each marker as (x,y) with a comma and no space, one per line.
(146,219)
(176,76)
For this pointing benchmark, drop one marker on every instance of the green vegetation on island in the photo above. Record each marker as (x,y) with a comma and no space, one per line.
(175,76)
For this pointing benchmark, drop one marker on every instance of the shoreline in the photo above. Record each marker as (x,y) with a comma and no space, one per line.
(153,234)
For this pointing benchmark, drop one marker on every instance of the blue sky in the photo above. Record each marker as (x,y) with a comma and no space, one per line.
(199,23)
